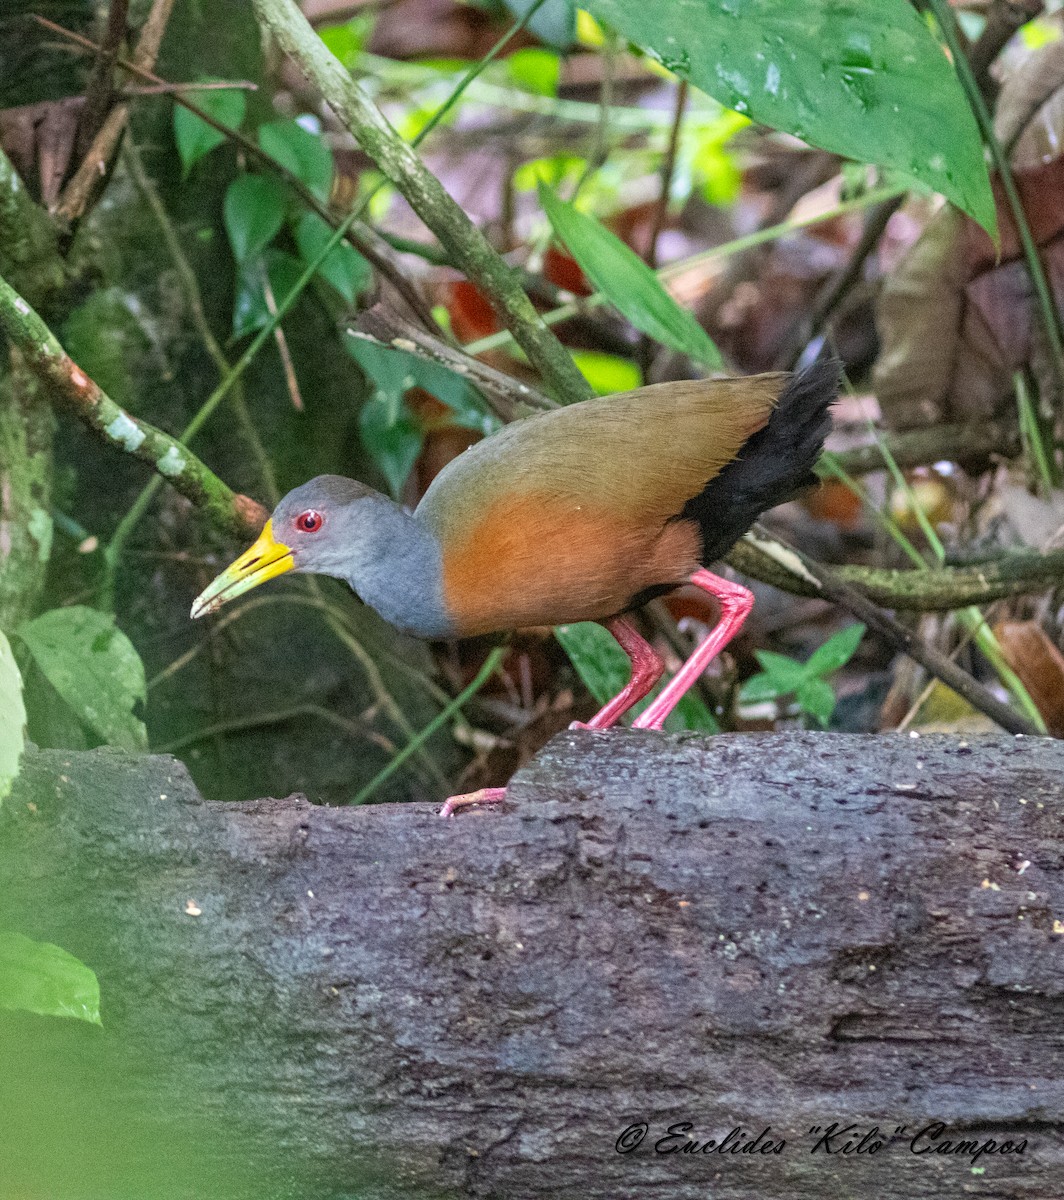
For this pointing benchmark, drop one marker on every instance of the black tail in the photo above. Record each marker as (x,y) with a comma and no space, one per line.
(773,466)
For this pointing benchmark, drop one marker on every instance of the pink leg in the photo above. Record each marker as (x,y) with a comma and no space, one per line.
(483,796)
(735,603)
(646,671)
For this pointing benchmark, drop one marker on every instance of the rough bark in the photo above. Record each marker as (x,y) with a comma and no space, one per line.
(776,931)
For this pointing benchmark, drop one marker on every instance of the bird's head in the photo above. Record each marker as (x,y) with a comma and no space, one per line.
(314,528)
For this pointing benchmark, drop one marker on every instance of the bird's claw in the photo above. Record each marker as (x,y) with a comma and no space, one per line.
(481,796)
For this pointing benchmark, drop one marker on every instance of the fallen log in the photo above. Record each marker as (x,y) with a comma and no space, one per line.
(849,949)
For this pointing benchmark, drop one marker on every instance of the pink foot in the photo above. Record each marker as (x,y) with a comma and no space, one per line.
(646,671)
(483,796)
(735,603)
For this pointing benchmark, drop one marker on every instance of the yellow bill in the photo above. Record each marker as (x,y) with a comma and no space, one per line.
(265,560)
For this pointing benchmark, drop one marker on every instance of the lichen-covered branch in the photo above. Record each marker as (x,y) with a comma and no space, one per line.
(468,248)
(76,392)
(938,589)
(760,549)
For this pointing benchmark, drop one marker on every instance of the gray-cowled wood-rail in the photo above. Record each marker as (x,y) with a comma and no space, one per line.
(582,513)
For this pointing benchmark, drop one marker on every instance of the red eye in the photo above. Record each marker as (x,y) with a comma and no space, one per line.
(309,521)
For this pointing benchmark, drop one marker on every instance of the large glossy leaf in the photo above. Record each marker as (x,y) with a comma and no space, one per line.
(12,717)
(627,282)
(868,80)
(254,209)
(195,137)
(94,668)
(41,978)
(305,154)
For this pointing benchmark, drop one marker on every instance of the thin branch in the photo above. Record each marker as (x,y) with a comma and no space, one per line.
(73,389)
(78,194)
(935,589)
(831,586)
(937,443)
(398,161)
(508,397)
(668,169)
(365,240)
(99,93)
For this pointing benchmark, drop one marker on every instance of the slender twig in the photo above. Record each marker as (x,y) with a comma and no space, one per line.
(508,397)
(397,160)
(100,89)
(482,677)
(260,720)
(364,240)
(287,365)
(668,169)
(937,589)
(78,193)
(839,286)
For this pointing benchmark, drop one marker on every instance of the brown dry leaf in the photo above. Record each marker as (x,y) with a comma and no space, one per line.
(39,139)
(1039,664)
(1030,107)
(957,321)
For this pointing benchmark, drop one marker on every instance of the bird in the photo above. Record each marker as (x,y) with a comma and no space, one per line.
(580,513)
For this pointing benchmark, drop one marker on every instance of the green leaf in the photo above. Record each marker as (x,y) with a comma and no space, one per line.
(600,662)
(344,268)
(627,282)
(250,310)
(12,717)
(836,651)
(347,40)
(41,978)
(395,372)
(392,437)
(194,136)
(816,698)
(604,669)
(786,673)
(759,688)
(305,154)
(554,23)
(689,713)
(94,668)
(254,209)
(868,81)
(535,69)
(554,169)
(606,372)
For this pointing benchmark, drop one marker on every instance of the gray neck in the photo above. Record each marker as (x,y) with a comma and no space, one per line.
(397,568)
